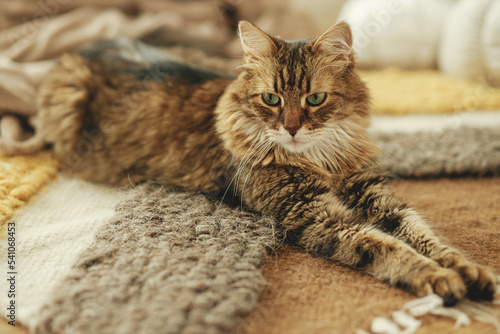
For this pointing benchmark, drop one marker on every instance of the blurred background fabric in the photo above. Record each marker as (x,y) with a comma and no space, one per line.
(34,33)
(431,57)
(460,38)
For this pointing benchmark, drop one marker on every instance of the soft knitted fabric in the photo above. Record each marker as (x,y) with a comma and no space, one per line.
(465,151)
(400,92)
(167,263)
(462,144)
(51,232)
(21,178)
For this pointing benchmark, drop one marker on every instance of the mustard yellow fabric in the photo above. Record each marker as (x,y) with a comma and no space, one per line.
(20,178)
(400,92)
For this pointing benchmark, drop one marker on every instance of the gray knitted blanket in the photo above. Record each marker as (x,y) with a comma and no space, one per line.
(466,151)
(166,263)
(179,262)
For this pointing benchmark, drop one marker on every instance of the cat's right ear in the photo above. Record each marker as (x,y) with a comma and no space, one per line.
(337,41)
(256,43)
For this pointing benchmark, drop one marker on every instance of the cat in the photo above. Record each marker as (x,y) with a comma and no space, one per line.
(288,136)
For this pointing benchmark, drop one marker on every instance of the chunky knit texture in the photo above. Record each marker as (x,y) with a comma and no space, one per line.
(466,151)
(21,178)
(167,263)
(400,92)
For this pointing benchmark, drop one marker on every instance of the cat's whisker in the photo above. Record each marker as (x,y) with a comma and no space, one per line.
(351,133)
(325,153)
(331,153)
(337,142)
(245,157)
(337,155)
(364,157)
(256,152)
(350,142)
(242,164)
(263,152)
(262,142)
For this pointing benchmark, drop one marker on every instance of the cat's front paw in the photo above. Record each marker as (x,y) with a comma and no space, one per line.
(444,282)
(481,282)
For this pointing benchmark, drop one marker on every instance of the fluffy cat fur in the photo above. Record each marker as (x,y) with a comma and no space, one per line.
(121,112)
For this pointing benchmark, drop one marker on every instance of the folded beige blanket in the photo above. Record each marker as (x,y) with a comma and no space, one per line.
(34,34)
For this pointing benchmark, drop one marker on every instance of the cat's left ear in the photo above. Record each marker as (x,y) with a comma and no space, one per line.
(256,43)
(336,41)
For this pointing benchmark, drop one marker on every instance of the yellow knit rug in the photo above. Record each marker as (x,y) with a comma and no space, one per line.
(401,92)
(20,179)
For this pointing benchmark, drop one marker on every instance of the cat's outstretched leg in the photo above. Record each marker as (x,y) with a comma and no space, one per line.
(335,236)
(318,220)
(368,194)
(481,281)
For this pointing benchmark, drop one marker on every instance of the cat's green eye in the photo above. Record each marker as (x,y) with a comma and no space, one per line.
(316,99)
(271,99)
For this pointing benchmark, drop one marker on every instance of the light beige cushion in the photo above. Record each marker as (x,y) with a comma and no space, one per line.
(470,43)
(395,33)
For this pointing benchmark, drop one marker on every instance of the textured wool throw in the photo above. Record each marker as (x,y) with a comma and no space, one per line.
(462,144)
(166,263)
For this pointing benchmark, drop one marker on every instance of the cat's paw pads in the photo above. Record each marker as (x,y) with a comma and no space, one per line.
(446,283)
(481,282)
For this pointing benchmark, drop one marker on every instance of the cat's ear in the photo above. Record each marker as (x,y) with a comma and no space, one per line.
(337,41)
(255,42)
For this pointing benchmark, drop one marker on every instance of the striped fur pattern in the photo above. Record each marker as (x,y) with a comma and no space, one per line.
(360,223)
(320,183)
(113,119)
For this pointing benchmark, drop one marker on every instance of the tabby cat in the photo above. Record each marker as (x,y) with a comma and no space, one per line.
(287,136)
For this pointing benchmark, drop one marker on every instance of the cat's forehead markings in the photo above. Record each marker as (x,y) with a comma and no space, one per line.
(290,73)
(302,79)
(283,74)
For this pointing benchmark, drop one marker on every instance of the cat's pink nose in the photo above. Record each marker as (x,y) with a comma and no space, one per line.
(292,129)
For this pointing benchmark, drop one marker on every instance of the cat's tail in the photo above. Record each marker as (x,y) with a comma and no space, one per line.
(13,139)
(62,101)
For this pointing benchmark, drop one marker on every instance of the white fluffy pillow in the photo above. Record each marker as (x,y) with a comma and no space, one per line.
(470,43)
(404,33)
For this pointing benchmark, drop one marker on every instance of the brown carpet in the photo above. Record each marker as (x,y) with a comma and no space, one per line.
(310,295)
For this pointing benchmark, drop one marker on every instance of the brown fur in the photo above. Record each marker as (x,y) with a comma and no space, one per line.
(218,135)
(128,137)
